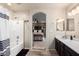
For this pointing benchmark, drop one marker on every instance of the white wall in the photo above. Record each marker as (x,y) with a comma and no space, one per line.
(52,15)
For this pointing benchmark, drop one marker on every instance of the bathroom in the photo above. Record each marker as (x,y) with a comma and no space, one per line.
(16,27)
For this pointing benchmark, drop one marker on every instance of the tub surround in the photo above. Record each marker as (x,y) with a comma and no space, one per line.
(4,35)
(11,34)
(16,37)
(5,47)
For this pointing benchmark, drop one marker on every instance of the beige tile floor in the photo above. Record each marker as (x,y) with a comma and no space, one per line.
(39,44)
(42,52)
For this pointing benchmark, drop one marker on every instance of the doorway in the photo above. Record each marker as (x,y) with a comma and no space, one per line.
(39,30)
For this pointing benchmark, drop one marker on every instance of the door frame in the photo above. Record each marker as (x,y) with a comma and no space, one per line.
(32,27)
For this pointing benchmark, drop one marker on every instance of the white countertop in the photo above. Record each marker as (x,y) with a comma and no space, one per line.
(73,44)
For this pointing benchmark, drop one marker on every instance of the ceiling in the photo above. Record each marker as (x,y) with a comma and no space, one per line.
(26,6)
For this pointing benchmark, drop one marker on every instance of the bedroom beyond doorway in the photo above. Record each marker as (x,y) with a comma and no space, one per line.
(39,30)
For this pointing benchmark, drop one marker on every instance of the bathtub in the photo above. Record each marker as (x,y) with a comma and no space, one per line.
(15,50)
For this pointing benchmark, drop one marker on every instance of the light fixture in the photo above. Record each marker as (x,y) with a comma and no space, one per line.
(9,4)
(69,14)
(60,20)
(77,7)
(73,12)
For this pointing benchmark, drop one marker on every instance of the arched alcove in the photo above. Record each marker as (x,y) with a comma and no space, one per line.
(40,17)
(39,28)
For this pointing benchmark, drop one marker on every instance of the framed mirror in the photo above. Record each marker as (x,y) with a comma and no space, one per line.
(60,25)
(70,24)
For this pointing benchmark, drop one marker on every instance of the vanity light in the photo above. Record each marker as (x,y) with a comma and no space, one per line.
(69,14)
(60,20)
(77,7)
(74,12)
(1,7)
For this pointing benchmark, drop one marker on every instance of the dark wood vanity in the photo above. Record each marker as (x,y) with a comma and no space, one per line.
(64,50)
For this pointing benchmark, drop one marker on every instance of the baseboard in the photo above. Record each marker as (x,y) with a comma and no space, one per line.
(27,48)
(37,40)
(50,49)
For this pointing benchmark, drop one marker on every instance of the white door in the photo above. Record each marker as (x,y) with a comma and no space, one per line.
(27,34)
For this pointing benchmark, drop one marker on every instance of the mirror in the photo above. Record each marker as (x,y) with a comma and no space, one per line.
(70,24)
(60,25)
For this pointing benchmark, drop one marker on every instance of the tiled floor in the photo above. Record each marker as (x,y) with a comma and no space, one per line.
(42,52)
(39,44)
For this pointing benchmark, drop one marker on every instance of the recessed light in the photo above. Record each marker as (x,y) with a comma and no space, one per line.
(69,14)
(77,7)
(1,7)
(9,4)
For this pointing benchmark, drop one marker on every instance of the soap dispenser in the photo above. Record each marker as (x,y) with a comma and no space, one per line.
(71,38)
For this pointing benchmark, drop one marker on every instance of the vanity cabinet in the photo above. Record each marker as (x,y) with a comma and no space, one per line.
(59,46)
(69,52)
(64,50)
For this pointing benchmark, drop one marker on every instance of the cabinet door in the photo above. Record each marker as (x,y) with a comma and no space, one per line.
(56,44)
(62,49)
(66,51)
(70,52)
(59,47)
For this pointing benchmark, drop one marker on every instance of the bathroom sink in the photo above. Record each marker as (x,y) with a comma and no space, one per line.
(75,39)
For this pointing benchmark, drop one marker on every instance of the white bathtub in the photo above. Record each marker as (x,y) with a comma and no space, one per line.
(15,50)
